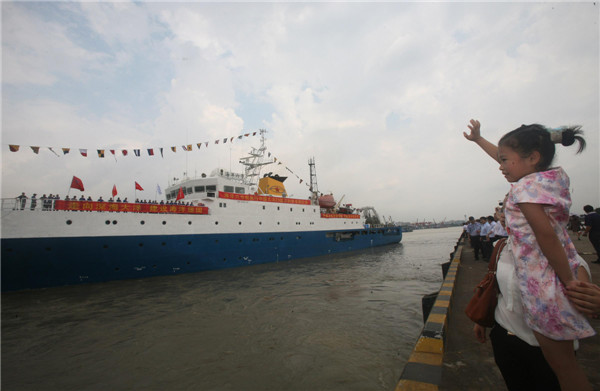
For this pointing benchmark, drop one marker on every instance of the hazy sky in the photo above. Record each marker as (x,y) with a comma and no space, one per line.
(378,93)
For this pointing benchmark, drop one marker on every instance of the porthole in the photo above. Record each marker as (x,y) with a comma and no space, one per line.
(142,222)
(260,223)
(278,223)
(164,222)
(114,222)
(239,223)
(216,223)
(189,243)
(69,222)
(224,259)
(141,244)
(163,244)
(189,223)
(107,222)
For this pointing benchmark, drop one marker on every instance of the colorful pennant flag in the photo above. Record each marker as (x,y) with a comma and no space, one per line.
(101,152)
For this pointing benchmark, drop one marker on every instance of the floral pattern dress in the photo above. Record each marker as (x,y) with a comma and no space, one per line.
(547,309)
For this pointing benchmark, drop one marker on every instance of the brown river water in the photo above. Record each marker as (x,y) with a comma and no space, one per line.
(344,322)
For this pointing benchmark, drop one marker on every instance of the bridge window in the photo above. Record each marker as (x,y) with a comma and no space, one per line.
(199,189)
(240,190)
(228,189)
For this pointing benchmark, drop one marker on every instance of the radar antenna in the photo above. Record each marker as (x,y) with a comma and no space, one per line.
(254,162)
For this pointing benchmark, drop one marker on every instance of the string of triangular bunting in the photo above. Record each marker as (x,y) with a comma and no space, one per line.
(102,152)
(279,162)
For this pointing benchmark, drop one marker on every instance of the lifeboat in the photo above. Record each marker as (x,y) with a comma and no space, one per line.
(326,201)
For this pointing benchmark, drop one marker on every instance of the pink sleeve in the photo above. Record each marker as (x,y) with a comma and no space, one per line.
(536,188)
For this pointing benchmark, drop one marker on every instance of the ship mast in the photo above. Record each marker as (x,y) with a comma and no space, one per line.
(314,188)
(254,162)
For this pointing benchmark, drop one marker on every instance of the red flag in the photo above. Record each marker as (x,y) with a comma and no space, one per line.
(138,187)
(180,194)
(76,183)
(114,192)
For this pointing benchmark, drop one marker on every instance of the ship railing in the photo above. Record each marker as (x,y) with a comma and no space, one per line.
(26,204)
(387,225)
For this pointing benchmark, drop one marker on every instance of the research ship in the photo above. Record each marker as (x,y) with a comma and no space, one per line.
(221,220)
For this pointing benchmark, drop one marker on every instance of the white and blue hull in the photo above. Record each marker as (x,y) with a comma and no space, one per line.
(53,248)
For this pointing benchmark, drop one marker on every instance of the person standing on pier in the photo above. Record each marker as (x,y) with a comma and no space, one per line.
(592,228)
(546,261)
(486,244)
(474,231)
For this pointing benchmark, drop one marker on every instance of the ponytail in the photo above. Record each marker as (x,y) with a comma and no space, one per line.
(535,137)
(567,136)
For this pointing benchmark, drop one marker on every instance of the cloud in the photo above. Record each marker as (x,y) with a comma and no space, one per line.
(378,93)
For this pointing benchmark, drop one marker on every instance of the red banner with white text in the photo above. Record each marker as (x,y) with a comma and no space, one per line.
(89,206)
(249,197)
(339,216)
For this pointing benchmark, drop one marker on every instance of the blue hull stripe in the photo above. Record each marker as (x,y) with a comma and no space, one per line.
(44,262)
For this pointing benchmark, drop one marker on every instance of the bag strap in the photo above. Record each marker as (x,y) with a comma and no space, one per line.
(493,265)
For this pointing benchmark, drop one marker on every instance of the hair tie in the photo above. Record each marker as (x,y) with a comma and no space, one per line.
(556,135)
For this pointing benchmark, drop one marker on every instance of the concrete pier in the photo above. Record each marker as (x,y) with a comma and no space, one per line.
(458,361)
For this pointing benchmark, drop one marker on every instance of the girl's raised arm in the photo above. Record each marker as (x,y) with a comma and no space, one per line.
(475,136)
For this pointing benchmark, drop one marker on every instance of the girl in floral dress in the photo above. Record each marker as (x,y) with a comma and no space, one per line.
(546,262)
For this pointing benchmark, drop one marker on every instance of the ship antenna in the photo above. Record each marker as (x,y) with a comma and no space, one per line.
(314,188)
(254,162)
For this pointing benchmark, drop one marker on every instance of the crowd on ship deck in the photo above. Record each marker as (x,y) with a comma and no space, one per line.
(46,202)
